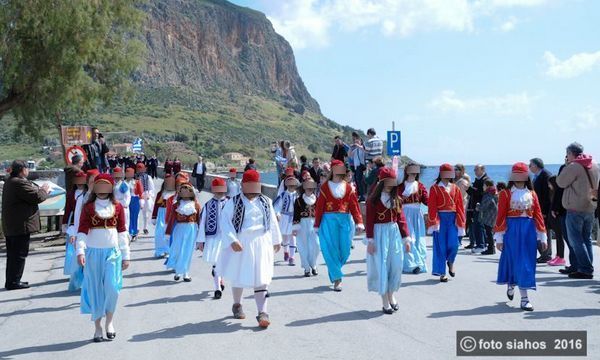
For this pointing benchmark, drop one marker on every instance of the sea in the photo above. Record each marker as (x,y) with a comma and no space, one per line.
(429,174)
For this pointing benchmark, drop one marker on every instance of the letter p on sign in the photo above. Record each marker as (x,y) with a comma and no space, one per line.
(393,143)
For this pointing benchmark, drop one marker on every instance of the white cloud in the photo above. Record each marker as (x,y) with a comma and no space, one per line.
(510,104)
(509,24)
(572,67)
(308,23)
(588,119)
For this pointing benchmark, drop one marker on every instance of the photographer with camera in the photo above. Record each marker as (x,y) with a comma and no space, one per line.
(96,152)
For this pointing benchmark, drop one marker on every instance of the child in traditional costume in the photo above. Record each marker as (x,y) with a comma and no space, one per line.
(337,218)
(210,232)
(251,237)
(122,192)
(414,195)
(159,219)
(446,220)
(103,251)
(284,208)
(75,204)
(519,228)
(387,232)
(136,190)
(182,227)
(304,223)
(147,198)
(233,184)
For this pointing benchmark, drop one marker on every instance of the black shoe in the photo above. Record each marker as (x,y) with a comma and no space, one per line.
(187,279)
(395,307)
(509,295)
(218,294)
(306,273)
(387,311)
(17,286)
(567,270)
(489,252)
(416,270)
(111,335)
(543,259)
(177,277)
(452,273)
(98,339)
(470,246)
(580,275)
(443,279)
(315,272)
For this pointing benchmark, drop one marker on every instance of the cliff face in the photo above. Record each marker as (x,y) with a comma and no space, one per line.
(210,45)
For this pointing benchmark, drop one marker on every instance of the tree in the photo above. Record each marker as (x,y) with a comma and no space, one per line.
(63,57)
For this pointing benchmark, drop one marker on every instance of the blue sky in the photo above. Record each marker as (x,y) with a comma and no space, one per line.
(482,81)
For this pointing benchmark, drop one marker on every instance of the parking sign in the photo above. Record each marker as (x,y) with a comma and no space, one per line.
(393,143)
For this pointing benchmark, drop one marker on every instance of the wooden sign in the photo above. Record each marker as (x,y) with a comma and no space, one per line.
(76,135)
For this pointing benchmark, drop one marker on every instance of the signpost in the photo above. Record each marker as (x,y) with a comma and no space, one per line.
(393,143)
(76,135)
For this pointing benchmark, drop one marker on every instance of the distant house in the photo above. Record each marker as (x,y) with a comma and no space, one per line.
(235,158)
(125,148)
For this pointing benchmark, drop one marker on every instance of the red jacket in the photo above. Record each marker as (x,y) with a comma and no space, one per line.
(90,219)
(504,211)
(175,217)
(441,200)
(158,203)
(379,214)
(326,203)
(420,197)
(69,207)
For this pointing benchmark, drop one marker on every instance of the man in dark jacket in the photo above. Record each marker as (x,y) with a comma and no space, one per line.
(96,152)
(542,189)
(339,150)
(475,191)
(20,218)
(199,173)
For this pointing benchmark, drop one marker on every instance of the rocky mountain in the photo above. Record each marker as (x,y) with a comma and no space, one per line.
(213,44)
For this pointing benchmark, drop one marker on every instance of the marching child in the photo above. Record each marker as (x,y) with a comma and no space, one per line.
(519,228)
(251,237)
(337,218)
(210,233)
(182,226)
(304,222)
(159,219)
(147,197)
(446,220)
(103,251)
(284,208)
(414,194)
(386,231)
(233,184)
(79,196)
(122,192)
(136,190)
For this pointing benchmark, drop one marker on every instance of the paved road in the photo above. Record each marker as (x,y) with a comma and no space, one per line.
(160,319)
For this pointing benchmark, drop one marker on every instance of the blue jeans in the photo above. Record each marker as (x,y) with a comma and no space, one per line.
(579,230)
(476,235)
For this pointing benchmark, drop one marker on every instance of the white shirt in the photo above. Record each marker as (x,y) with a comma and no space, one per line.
(338,190)
(104,238)
(199,169)
(253,220)
(123,198)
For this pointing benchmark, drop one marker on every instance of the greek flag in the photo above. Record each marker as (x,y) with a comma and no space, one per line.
(137,145)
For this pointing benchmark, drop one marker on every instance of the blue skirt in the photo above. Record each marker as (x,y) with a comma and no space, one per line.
(72,268)
(518,258)
(335,236)
(134,212)
(418,251)
(445,243)
(102,281)
(308,244)
(384,267)
(182,247)
(161,245)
